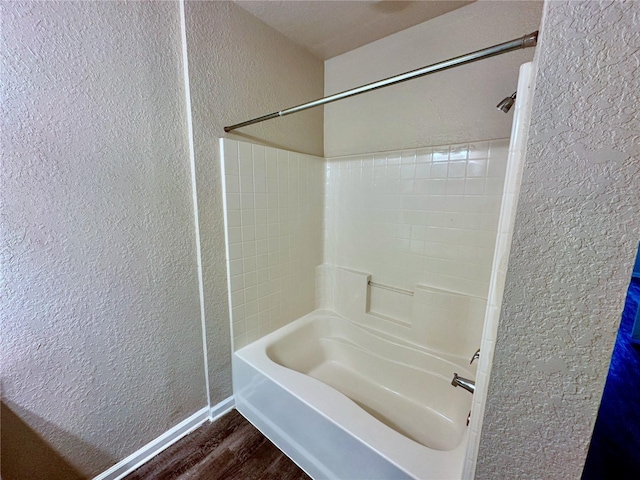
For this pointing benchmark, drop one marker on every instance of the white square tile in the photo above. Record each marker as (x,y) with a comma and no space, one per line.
(457,169)
(236,283)
(239,341)
(437,186)
(455,186)
(238,317)
(476,168)
(251,288)
(246,201)
(249,264)
(494,185)
(407,171)
(234,234)
(423,155)
(479,150)
(262,247)
(232,183)
(272,186)
(440,154)
(272,165)
(474,186)
(417,247)
(237,298)
(246,165)
(233,218)
(245,151)
(230,148)
(258,152)
(248,233)
(422,187)
(283,162)
(233,201)
(423,170)
(439,170)
(367,160)
(246,184)
(260,200)
(496,167)
(458,152)
(260,184)
(251,309)
(262,261)
(236,267)
(231,165)
(261,232)
(393,158)
(408,157)
(235,251)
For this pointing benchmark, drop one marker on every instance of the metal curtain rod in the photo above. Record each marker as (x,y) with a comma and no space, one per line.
(529,40)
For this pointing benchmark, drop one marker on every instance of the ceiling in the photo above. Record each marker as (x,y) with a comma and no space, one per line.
(332,27)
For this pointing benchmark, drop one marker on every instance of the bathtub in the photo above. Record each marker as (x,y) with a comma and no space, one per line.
(345,402)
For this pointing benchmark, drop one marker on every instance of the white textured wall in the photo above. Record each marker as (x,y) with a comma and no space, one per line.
(576,233)
(454,106)
(239,69)
(101,337)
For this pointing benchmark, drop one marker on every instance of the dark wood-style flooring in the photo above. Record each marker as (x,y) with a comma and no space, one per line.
(229,448)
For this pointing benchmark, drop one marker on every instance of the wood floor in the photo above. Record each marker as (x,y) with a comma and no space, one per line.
(229,448)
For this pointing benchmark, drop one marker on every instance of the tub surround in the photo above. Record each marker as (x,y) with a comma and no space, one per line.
(426,217)
(441,321)
(418,216)
(425,222)
(273,219)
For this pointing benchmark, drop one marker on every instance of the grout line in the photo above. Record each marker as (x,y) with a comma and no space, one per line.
(196,218)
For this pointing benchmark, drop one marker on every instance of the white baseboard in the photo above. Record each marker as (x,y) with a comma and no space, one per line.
(168,438)
(225,406)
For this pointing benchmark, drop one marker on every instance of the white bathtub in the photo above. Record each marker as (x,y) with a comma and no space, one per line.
(345,403)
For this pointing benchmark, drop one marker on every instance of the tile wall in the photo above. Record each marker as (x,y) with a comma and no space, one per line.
(413,217)
(273,215)
(426,216)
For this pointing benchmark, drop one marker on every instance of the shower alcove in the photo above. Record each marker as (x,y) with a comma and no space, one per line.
(358,285)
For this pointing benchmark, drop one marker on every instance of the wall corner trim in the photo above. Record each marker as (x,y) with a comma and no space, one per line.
(219,409)
(168,438)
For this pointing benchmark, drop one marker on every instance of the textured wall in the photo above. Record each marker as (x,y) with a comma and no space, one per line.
(454,106)
(239,69)
(101,336)
(577,229)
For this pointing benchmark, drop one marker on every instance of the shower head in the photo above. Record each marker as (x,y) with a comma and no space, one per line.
(506,104)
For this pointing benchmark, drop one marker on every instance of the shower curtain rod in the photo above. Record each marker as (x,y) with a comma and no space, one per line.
(529,40)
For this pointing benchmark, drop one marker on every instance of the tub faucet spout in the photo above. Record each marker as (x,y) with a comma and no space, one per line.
(468,385)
